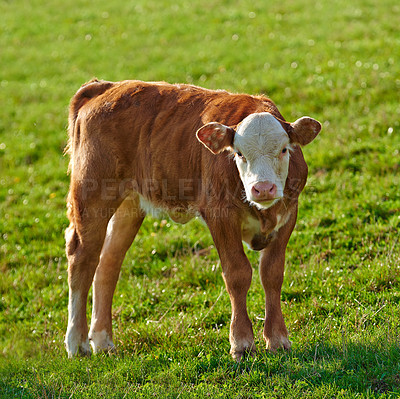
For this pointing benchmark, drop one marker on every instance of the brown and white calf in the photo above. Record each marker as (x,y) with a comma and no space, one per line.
(230,159)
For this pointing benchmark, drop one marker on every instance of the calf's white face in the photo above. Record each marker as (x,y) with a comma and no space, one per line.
(262,149)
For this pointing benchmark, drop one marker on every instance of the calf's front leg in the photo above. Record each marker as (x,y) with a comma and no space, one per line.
(237,274)
(272,264)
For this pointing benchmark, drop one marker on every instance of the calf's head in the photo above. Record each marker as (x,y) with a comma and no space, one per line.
(261,145)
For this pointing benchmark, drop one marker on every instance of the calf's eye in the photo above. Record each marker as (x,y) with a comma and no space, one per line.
(284,151)
(240,155)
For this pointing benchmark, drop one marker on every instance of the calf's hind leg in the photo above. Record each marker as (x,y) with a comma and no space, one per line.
(121,231)
(84,240)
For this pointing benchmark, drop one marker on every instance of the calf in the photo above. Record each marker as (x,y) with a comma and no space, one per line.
(230,159)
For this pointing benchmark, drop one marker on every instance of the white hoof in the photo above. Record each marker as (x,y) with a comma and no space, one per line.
(238,350)
(75,346)
(101,342)
(278,342)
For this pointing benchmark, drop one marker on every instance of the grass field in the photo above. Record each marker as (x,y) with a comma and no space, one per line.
(337,61)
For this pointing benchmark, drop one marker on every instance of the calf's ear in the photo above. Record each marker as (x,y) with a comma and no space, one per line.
(304,130)
(216,137)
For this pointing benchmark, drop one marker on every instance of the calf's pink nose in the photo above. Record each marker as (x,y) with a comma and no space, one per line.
(264,191)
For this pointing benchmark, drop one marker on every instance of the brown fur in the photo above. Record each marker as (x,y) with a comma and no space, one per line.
(134,138)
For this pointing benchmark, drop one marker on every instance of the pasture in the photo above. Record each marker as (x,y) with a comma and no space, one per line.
(335,61)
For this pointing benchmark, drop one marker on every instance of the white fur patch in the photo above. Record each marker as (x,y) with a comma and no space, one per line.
(281,221)
(264,205)
(148,207)
(250,227)
(73,338)
(177,215)
(101,342)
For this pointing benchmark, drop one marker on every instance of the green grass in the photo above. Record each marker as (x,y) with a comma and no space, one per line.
(335,61)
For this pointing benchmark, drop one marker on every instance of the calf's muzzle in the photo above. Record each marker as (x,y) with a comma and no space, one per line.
(263,191)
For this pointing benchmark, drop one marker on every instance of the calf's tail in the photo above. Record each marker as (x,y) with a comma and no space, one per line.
(87,92)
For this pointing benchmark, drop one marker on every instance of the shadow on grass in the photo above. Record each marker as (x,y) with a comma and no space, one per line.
(352,367)
(323,370)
